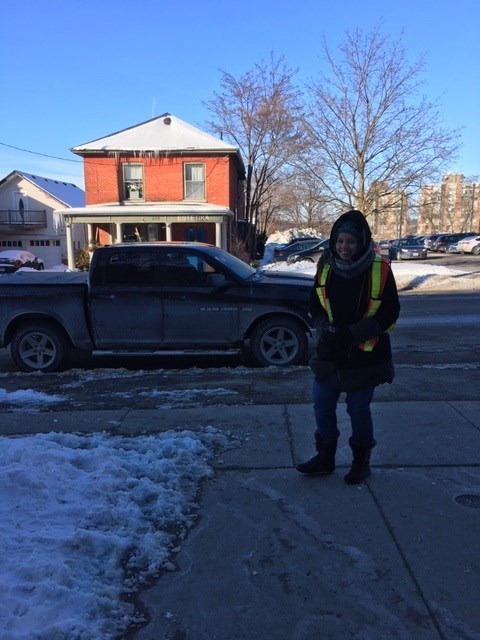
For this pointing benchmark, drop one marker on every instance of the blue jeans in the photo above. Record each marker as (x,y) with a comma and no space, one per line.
(325,398)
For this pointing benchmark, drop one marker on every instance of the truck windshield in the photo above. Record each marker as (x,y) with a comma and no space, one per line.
(240,268)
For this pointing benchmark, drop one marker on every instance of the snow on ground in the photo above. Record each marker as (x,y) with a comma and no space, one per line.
(27,398)
(410,274)
(86,519)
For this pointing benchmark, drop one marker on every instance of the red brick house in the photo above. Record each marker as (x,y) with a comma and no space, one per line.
(162,179)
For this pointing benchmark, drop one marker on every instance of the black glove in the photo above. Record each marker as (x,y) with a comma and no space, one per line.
(336,335)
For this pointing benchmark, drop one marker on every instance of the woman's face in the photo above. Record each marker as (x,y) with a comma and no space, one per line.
(346,245)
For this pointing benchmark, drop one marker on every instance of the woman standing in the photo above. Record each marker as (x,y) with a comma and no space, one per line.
(354,302)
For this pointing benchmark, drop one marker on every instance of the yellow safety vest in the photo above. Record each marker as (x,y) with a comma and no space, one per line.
(379,272)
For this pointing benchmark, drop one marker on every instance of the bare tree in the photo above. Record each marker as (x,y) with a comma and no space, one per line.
(374,137)
(261,113)
(302,203)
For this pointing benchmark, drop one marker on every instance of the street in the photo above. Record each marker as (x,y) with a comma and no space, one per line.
(436,347)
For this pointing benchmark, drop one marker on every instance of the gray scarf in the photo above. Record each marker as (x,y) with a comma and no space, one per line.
(351,269)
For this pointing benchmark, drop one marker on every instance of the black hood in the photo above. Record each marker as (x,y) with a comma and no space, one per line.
(353,222)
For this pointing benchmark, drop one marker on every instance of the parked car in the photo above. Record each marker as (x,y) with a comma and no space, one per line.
(384,244)
(407,249)
(442,241)
(12,260)
(310,255)
(452,247)
(469,245)
(282,252)
(439,242)
(429,240)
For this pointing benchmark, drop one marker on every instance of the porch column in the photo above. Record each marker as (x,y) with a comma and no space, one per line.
(224,236)
(218,234)
(118,232)
(70,251)
(168,231)
(90,238)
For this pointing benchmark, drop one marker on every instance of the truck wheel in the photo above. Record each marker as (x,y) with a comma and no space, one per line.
(39,347)
(281,342)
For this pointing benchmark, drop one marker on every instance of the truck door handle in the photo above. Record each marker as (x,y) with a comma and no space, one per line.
(107,296)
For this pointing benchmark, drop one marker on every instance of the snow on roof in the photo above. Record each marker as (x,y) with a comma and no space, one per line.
(163,133)
(65,192)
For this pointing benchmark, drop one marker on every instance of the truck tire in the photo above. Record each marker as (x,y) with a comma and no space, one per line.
(278,342)
(39,347)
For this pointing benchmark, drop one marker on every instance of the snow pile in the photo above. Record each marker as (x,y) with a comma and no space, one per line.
(284,237)
(27,398)
(85,520)
(410,274)
(177,398)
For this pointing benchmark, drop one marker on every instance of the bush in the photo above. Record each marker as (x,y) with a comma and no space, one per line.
(82,259)
(83,256)
(238,248)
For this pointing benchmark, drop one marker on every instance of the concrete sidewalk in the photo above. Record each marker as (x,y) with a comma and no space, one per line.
(280,556)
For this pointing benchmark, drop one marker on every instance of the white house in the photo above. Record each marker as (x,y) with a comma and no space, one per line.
(28,217)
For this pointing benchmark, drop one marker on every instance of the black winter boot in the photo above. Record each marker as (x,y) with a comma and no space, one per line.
(323,462)
(361,462)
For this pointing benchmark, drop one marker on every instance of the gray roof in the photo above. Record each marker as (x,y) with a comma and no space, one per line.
(163,133)
(65,192)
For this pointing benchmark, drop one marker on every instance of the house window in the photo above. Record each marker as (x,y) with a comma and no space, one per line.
(133,181)
(40,243)
(11,243)
(194,181)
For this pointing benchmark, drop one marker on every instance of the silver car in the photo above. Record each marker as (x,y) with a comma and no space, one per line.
(470,245)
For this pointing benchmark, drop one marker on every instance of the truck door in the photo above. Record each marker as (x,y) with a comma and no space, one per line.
(197,313)
(125,300)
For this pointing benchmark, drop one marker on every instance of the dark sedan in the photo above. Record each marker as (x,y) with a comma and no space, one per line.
(312,254)
(282,252)
(442,242)
(407,249)
(430,240)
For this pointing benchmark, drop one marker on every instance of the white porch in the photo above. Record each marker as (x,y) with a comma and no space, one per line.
(167,214)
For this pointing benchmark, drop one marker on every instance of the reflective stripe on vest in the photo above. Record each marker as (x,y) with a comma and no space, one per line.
(378,277)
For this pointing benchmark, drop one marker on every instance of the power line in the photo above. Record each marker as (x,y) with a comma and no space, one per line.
(37,153)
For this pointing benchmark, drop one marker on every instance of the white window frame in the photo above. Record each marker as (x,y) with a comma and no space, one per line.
(133,187)
(193,189)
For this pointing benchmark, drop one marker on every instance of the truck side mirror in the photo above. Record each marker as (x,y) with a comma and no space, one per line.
(216,280)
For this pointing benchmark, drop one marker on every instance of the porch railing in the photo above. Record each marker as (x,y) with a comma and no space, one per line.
(23,219)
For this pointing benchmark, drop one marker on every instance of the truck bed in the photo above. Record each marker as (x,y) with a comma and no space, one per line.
(48,278)
(57,296)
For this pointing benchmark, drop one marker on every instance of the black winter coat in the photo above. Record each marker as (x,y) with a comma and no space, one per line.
(349,299)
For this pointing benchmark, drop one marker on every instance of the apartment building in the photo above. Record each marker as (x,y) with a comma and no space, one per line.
(450,207)
(389,216)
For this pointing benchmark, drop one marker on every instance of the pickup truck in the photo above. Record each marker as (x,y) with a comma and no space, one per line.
(165,298)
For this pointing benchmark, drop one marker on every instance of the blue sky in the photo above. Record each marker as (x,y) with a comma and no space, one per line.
(79,70)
